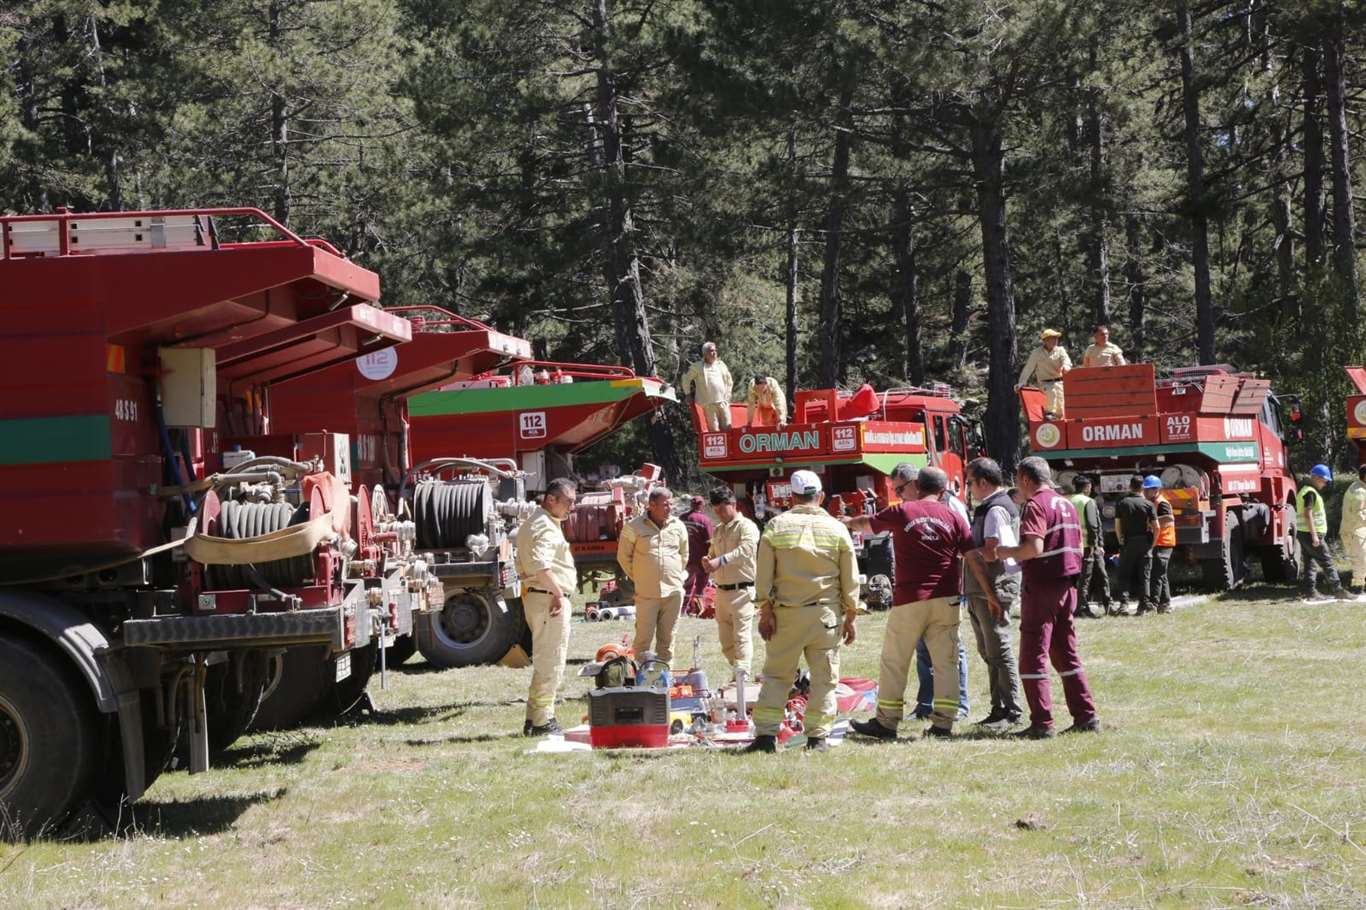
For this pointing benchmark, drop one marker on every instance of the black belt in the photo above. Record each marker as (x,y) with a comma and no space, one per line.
(736,586)
(539,591)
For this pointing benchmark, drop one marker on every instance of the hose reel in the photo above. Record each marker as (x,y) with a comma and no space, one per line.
(448,512)
(242,520)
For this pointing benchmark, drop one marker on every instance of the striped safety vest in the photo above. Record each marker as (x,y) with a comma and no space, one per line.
(1061,556)
(1166,536)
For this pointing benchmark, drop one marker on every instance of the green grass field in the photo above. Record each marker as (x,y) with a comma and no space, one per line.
(1233,775)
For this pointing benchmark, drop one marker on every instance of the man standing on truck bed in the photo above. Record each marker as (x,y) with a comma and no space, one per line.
(545,565)
(1352,530)
(1047,364)
(1050,549)
(708,381)
(1159,587)
(1094,572)
(1313,534)
(1103,353)
(653,552)
(805,579)
(1136,528)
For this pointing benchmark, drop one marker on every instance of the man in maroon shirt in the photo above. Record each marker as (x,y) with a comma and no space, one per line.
(700,532)
(929,540)
(1050,553)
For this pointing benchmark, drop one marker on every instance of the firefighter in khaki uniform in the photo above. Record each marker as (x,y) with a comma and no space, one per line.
(709,382)
(765,405)
(1352,531)
(653,552)
(805,579)
(1047,365)
(546,567)
(730,560)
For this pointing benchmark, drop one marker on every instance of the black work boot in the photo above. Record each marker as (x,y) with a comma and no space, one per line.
(937,733)
(817,744)
(1090,726)
(762,744)
(1033,732)
(545,729)
(872,728)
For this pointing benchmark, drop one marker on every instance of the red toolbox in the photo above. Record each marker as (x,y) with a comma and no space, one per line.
(625,717)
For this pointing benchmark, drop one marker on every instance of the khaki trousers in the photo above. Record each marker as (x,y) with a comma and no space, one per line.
(814,631)
(718,415)
(936,621)
(655,619)
(549,647)
(1355,545)
(735,625)
(1052,396)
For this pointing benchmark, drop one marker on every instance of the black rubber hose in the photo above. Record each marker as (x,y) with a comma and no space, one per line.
(243,520)
(448,512)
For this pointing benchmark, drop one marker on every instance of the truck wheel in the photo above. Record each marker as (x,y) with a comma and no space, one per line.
(298,681)
(1229,569)
(1281,562)
(345,694)
(401,651)
(48,740)
(232,696)
(471,629)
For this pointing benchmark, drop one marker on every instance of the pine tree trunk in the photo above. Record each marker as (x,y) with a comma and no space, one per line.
(1313,159)
(1133,274)
(1195,189)
(1281,220)
(279,123)
(962,311)
(1344,221)
(906,291)
(1097,242)
(832,327)
(1003,406)
(790,278)
(621,263)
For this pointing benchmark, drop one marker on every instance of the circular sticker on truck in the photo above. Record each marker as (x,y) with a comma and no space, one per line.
(1359,412)
(379,365)
(1048,435)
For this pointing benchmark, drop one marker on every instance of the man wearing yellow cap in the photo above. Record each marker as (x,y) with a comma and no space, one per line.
(1046,366)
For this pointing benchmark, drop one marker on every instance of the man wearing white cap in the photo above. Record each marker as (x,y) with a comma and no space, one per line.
(1047,365)
(806,586)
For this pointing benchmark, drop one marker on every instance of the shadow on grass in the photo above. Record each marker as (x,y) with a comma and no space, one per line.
(464,739)
(180,819)
(1259,593)
(269,749)
(416,714)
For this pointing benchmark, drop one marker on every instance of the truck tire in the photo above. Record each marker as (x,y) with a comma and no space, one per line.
(1281,563)
(1228,570)
(48,740)
(300,678)
(345,694)
(472,629)
(232,696)
(877,565)
(401,651)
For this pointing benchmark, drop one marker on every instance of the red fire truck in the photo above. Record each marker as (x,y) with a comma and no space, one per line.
(853,440)
(1217,439)
(145,572)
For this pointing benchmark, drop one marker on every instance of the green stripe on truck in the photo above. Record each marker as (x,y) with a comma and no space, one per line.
(46,440)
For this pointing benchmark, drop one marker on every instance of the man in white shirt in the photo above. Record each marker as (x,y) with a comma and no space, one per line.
(709,382)
(995,524)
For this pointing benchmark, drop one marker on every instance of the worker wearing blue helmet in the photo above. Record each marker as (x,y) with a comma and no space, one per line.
(1312,523)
